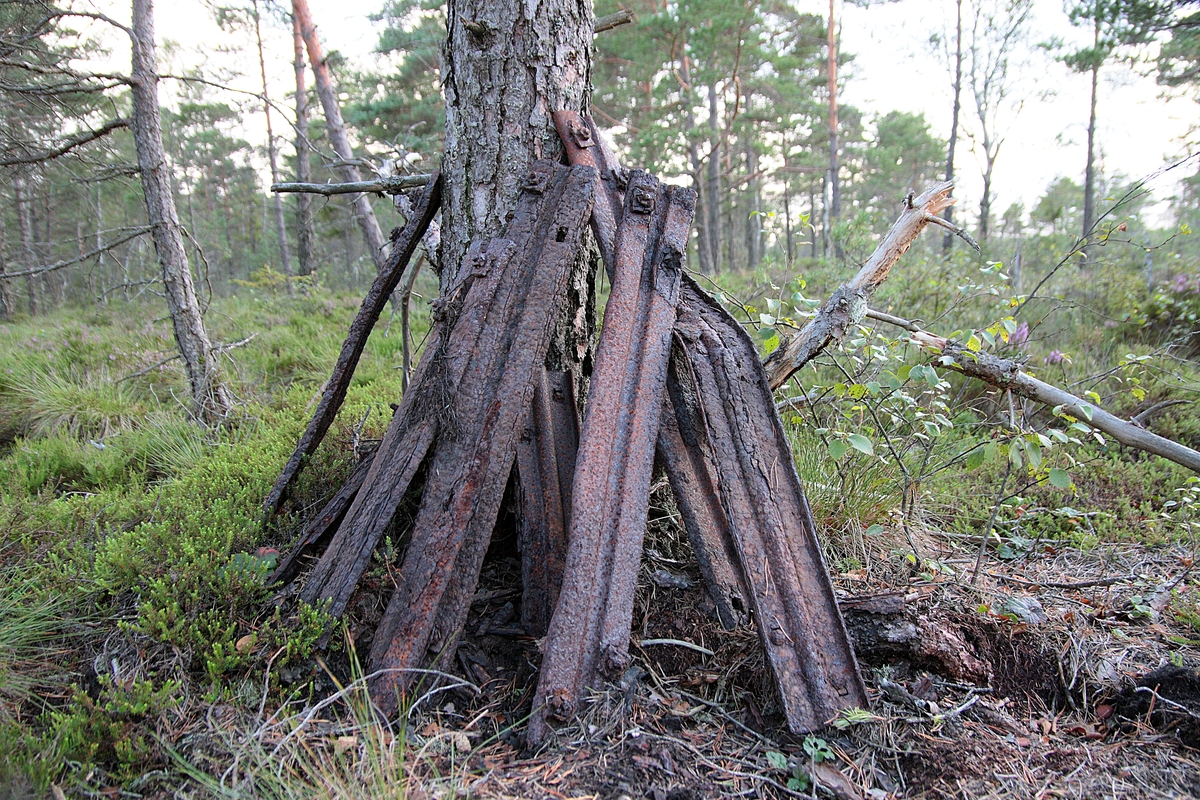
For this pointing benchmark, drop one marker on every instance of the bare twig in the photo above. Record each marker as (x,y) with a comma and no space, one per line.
(1007,374)
(613,20)
(68,144)
(133,234)
(391,185)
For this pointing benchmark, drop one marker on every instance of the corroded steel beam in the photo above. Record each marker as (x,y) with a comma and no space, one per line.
(589,632)
(487,409)
(733,477)
(317,533)
(545,469)
(686,456)
(750,462)
(404,244)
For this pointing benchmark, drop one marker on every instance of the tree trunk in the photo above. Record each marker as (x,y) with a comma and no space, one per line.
(305,238)
(754,204)
(507,66)
(713,189)
(212,399)
(7,302)
(1089,177)
(835,191)
(285,255)
(363,213)
(28,254)
(985,202)
(704,247)
(948,214)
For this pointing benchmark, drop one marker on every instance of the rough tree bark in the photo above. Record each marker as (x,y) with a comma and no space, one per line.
(363,213)
(285,254)
(209,394)
(713,188)
(304,218)
(704,250)
(507,66)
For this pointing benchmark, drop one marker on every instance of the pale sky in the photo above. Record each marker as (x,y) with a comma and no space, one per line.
(895,67)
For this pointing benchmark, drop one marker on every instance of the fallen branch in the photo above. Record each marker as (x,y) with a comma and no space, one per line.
(1007,374)
(847,306)
(613,20)
(390,185)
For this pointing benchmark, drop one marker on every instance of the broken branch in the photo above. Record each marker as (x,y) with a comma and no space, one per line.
(68,144)
(1005,373)
(847,306)
(613,20)
(392,185)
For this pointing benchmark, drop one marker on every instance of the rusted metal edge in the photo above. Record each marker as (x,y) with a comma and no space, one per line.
(424,412)
(317,533)
(490,406)
(589,632)
(686,456)
(403,247)
(545,469)
(774,535)
(690,458)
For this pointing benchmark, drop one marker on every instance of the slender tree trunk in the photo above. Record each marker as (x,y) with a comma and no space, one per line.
(507,66)
(7,302)
(1089,177)
(363,213)
(305,239)
(754,202)
(948,214)
(212,399)
(835,191)
(285,254)
(713,189)
(985,202)
(25,228)
(704,247)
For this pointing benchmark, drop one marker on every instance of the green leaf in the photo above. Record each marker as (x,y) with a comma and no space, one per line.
(767,333)
(766,319)
(838,449)
(777,760)
(1060,478)
(976,458)
(874,530)
(973,343)
(861,443)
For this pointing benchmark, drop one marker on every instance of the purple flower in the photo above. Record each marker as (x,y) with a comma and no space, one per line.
(1055,357)
(1020,336)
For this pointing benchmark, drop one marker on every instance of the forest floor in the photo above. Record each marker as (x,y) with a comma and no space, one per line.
(141,654)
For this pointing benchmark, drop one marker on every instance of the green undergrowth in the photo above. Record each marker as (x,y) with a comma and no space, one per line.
(136,562)
(118,507)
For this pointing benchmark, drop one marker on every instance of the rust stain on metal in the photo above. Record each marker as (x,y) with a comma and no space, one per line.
(733,477)
(546,467)
(773,532)
(318,532)
(686,456)
(404,244)
(488,408)
(589,632)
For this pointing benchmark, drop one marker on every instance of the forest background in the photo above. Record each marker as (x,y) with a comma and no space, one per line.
(131,526)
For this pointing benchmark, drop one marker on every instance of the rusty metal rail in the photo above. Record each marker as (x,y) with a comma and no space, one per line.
(589,632)
(733,477)
(488,408)
(404,244)
(545,469)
